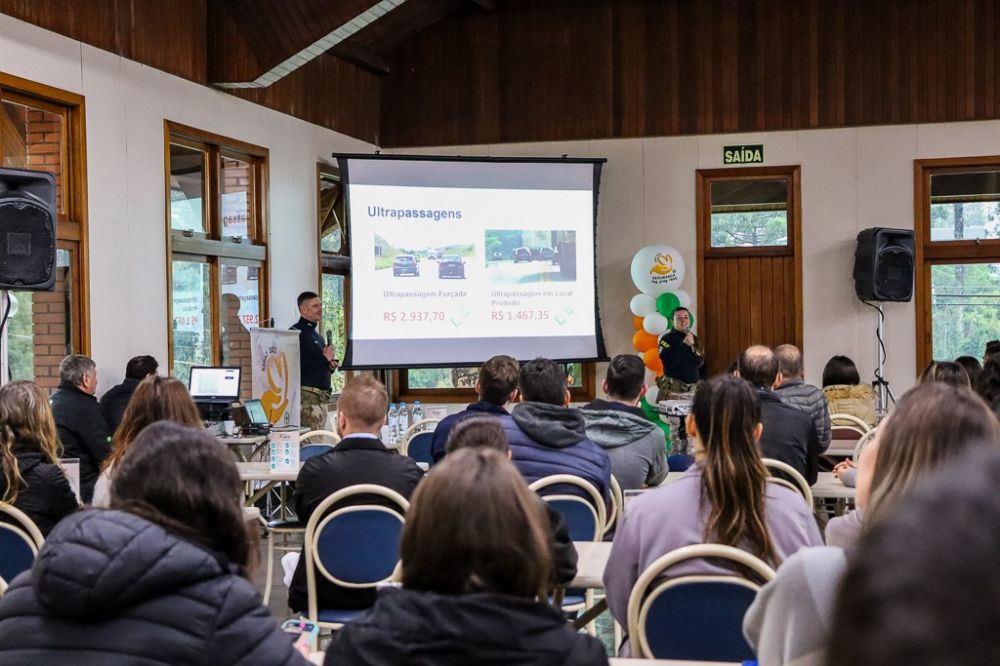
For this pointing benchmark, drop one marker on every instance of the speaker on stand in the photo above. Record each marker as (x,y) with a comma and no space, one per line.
(27,236)
(883,271)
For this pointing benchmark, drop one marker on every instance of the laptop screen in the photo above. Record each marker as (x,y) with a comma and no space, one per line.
(214,384)
(255,413)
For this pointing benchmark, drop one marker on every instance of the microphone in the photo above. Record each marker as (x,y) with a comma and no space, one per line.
(329,338)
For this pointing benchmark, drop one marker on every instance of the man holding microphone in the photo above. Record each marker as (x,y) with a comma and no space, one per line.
(683,362)
(316,361)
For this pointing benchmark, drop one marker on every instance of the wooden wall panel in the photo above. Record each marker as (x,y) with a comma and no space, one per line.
(628,68)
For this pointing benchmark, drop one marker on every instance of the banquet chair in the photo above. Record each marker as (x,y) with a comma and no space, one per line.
(20,540)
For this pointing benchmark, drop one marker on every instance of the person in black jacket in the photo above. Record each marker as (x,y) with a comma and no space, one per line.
(476,555)
(114,402)
(161,578)
(358,458)
(486,432)
(83,431)
(32,480)
(789,433)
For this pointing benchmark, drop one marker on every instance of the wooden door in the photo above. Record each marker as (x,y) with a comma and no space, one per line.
(749,261)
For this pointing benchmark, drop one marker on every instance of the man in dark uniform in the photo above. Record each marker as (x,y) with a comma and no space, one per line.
(316,362)
(683,363)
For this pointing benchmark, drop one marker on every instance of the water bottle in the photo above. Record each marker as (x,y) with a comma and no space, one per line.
(404,420)
(418,413)
(393,423)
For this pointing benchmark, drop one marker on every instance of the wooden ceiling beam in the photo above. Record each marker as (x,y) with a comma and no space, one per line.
(356,54)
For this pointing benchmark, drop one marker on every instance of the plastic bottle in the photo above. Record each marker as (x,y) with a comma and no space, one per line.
(404,420)
(418,413)
(393,423)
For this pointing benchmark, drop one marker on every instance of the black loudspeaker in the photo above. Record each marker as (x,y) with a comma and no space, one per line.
(883,265)
(27,230)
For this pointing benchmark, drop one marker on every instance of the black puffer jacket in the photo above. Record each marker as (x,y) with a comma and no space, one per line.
(112,588)
(427,629)
(46,497)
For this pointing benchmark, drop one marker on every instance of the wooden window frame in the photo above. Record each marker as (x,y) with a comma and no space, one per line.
(329,263)
(929,252)
(72,228)
(211,247)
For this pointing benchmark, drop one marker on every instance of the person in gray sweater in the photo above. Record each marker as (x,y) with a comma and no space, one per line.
(635,445)
(795,392)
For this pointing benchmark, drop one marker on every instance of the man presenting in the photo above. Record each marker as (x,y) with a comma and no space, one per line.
(316,362)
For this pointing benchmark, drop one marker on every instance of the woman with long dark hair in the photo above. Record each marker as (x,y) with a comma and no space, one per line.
(29,454)
(476,556)
(161,578)
(724,498)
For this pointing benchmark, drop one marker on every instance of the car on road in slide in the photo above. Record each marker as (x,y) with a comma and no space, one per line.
(522,254)
(451,265)
(545,254)
(405,264)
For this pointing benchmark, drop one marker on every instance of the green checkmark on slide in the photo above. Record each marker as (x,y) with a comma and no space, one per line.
(563,317)
(459,319)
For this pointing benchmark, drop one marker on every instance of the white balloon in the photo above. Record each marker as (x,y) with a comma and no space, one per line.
(642,305)
(650,382)
(657,269)
(655,324)
(683,297)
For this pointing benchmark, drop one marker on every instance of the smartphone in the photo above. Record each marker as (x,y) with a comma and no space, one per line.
(304,631)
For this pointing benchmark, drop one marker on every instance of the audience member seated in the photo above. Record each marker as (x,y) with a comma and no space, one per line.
(485,432)
(634,444)
(972,368)
(930,424)
(725,498)
(156,399)
(496,387)
(114,402)
(476,555)
(945,371)
(805,397)
(358,458)
(82,429)
(910,596)
(844,391)
(789,433)
(790,621)
(988,384)
(992,349)
(162,578)
(549,437)
(29,451)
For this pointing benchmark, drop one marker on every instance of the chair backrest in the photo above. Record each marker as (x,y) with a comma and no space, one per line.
(354,546)
(419,447)
(585,518)
(20,540)
(694,617)
(307,451)
(423,425)
(849,421)
(617,505)
(328,436)
(799,484)
(864,441)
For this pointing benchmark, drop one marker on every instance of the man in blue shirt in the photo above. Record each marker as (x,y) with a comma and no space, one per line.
(316,362)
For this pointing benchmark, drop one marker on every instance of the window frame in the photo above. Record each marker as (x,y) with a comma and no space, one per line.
(704,192)
(329,263)
(928,253)
(211,247)
(72,228)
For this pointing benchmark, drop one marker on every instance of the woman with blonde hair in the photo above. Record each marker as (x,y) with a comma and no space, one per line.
(29,446)
(476,555)
(155,399)
(724,498)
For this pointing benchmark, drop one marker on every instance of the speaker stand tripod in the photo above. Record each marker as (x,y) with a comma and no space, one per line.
(883,393)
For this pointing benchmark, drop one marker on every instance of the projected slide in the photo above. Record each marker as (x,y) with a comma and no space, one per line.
(455,261)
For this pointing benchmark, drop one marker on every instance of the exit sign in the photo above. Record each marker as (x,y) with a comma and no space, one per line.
(748,154)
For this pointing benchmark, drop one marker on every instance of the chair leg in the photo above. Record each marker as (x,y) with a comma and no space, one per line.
(591,626)
(270,567)
(618,637)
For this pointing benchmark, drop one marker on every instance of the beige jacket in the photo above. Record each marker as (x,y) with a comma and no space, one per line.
(857,400)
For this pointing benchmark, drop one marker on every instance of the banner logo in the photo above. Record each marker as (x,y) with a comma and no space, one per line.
(275,398)
(662,270)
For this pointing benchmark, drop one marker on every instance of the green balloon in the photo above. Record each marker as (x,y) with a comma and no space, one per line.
(667,303)
(654,416)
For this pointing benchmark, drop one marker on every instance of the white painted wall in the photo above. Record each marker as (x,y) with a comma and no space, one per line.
(126,104)
(852,179)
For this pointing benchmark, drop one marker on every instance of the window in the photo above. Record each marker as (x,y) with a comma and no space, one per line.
(749,213)
(458,384)
(958,257)
(217,240)
(43,128)
(334,262)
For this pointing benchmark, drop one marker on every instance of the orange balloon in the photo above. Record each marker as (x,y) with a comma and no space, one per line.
(643,341)
(652,359)
(637,323)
